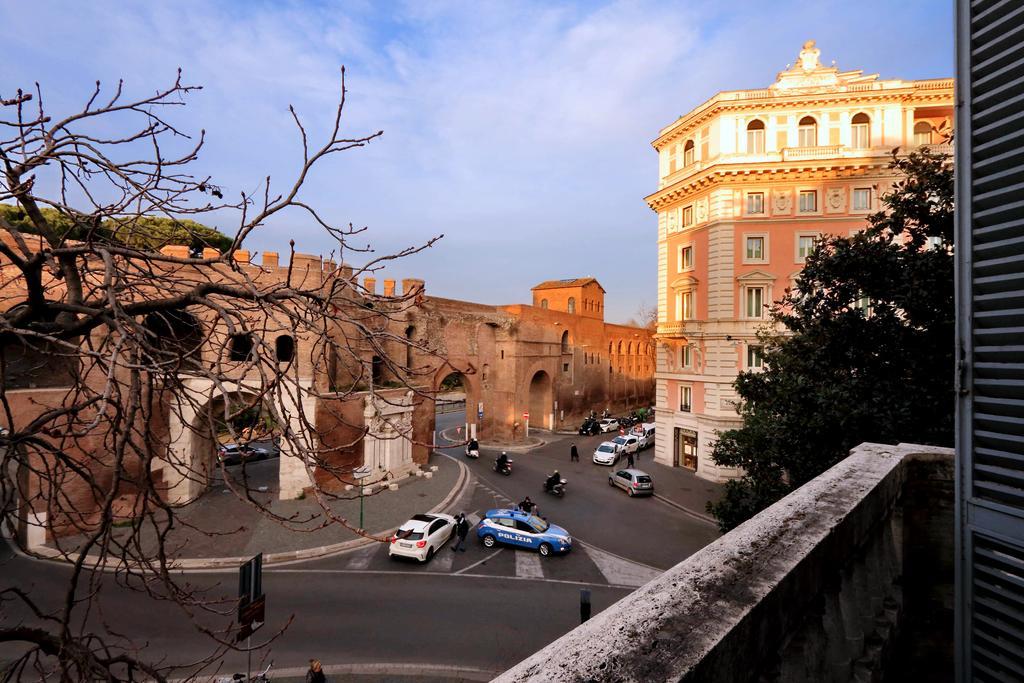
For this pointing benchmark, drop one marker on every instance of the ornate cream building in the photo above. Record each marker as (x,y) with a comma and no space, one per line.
(747,182)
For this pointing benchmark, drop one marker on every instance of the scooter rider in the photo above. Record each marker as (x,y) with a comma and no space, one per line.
(502,462)
(473,445)
(552,481)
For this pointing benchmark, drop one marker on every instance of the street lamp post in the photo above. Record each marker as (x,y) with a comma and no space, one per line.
(359,474)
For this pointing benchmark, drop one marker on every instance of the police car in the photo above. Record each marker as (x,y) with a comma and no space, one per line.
(524,530)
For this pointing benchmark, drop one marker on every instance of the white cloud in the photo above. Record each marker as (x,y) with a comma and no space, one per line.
(521,130)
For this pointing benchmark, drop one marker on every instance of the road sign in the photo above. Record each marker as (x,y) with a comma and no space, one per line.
(480,410)
(251,601)
(526,415)
(361,472)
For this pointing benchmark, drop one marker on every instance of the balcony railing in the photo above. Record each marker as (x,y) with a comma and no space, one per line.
(816,152)
(847,577)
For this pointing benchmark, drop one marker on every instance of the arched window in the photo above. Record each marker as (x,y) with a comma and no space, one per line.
(619,350)
(629,349)
(688,153)
(611,348)
(284,348)
(572,304)
(922,133)
(755,137)
(543,303)
(807,132)
(240,346)
(860,131)
(565,342)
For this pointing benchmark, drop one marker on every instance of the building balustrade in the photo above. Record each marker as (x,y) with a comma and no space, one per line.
(848,578)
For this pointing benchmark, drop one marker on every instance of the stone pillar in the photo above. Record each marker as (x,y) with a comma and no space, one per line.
(370,285)
(270,259)
(292,475)
(210,252)
(242,256)
(410,285)
(389,288)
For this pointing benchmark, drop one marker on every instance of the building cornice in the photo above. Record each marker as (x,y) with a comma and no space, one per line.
(935,91)
(731,174)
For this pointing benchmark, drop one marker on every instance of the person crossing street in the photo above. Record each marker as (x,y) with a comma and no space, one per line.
(574,455)
(461,530)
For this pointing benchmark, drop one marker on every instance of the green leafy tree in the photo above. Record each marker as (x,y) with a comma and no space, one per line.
(145,232)
(866,354)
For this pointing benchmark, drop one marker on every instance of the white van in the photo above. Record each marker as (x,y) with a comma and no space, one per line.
(645,432)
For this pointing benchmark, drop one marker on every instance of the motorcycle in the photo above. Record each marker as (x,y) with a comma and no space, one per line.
(506,470)
(472,452)
(558,489)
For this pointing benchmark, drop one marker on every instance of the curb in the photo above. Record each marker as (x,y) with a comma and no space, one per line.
(493,446)
(693,513)
(188,564)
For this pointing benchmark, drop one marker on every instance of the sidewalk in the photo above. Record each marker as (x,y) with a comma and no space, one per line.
(681,487)
(218,528)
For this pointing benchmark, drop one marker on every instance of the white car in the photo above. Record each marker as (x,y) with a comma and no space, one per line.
(609,424)
(422,536)
(627,444)
(607,453)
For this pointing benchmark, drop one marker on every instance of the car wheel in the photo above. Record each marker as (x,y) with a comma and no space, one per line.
(430,554)
(489,541)
(545,549)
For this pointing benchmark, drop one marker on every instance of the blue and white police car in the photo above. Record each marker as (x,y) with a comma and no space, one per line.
(518,528)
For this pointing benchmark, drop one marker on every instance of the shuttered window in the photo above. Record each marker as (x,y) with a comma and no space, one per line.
(990,300)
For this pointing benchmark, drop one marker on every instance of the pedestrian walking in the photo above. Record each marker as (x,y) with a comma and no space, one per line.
(574,455)
(629,459)
(316,672)
(461,529)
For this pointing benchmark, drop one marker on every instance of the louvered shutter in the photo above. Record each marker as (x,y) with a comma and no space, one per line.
(990,300)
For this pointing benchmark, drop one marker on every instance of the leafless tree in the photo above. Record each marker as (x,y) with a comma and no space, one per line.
(105,337)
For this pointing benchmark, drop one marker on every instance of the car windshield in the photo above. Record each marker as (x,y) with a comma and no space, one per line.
(643,479)
(606,448)
(620,440)
(409,535)
(539,524)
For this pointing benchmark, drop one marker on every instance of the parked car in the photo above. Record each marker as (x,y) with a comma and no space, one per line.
(422,536)
(628,443)
(645,433)
(590,426)
(607,453)
(524,530)
(634,482)
(609,424)
(234,453)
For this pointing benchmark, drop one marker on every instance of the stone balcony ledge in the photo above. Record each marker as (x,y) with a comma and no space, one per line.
(810,589)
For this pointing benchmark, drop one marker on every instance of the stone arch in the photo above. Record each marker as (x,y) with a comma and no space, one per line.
(410,336)
(572,305)
(176,333)
(465,382)
(565,341)
(541,399)
(619,348)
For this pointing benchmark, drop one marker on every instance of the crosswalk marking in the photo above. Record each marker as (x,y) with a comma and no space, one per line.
(621,571)
(362,559)
(528,565)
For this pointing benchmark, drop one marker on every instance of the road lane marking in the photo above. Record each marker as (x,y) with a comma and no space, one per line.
(362,559)
(489,577)
(479,562)
(618,570)
(528,565)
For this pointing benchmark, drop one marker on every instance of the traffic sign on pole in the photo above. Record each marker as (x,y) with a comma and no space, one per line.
(526,415)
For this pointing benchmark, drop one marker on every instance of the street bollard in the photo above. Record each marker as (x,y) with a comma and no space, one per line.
(584,604)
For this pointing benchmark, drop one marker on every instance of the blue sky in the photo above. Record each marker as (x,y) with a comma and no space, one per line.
(519,130)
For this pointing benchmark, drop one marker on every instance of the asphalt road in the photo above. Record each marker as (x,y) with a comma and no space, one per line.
(486,609)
